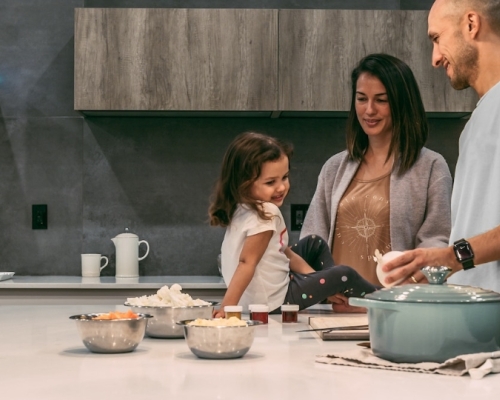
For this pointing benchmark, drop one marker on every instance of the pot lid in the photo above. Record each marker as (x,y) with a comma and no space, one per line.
(436,291)
(126,234)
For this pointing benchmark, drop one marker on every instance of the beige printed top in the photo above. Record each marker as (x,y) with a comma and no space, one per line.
(362,225)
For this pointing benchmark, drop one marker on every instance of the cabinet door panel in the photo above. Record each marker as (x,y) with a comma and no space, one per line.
(175,59)
(319,48)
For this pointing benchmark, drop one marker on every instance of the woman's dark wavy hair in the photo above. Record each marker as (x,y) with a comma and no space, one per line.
(241,167)
(409,122)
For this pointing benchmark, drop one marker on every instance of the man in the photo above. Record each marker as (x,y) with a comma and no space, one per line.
(466,38)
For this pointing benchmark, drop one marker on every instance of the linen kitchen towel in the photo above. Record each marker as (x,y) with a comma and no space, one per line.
(476,365)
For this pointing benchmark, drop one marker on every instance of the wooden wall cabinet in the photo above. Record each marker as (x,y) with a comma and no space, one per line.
(319,48)
(140,59)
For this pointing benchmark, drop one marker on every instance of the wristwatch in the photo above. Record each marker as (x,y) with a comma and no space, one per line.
(464,253)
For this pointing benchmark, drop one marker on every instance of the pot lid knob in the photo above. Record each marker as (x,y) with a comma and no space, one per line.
(436,275)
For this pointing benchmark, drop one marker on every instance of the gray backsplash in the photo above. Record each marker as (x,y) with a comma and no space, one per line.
(153,175)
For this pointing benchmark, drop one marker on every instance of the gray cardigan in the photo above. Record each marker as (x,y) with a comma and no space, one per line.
(420,201)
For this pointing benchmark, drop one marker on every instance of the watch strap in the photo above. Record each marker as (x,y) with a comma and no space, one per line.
(468,264)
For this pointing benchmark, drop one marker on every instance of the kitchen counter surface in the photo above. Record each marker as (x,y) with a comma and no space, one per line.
(110,282)
(43,358)
(27,290)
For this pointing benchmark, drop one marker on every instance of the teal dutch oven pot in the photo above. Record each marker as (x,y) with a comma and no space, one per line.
(435,322)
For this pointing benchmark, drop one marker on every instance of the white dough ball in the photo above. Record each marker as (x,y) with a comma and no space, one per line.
(391,255)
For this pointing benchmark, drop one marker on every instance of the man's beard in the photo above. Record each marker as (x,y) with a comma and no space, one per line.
(465,67)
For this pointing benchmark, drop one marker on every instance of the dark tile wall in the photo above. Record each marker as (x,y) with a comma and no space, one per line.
(152,175)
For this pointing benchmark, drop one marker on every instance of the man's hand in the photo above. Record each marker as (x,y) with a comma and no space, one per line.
(408,265)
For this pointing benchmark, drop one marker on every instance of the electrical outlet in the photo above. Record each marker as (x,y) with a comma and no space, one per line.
(39,216)
(298,214)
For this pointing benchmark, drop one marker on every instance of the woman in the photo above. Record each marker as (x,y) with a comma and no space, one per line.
(386,191)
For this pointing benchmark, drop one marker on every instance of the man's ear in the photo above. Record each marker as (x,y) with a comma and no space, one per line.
(473,24)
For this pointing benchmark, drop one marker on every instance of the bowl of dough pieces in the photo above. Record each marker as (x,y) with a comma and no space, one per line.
(219,338)
(167,307)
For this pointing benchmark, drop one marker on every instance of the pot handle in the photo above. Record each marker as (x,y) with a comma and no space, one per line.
(368,303)
(147,251)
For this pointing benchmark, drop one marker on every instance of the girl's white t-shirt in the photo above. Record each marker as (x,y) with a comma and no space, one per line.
(270,281)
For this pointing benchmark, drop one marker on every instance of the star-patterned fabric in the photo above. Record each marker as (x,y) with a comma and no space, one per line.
(362,225)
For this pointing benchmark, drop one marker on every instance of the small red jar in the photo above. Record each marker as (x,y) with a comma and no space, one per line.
(289,313)
(259,312)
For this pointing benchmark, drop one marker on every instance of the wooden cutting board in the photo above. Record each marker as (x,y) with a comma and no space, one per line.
(341,320)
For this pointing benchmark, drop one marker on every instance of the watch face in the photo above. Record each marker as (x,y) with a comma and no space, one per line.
(463,251)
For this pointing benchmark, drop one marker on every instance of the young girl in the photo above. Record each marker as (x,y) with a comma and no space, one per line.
(257,263)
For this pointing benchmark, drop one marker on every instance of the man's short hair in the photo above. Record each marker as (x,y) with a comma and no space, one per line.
(489,9)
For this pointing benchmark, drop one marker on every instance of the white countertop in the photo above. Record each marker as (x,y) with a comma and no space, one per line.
(110,282)
(53,289)
(43,358)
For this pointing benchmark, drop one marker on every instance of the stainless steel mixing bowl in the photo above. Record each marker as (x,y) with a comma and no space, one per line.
(112,335)
(219,341)
(163,323)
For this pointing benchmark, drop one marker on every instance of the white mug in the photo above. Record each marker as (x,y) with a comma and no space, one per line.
(91,264)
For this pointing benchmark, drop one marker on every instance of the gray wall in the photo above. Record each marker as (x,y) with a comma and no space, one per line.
(152,175)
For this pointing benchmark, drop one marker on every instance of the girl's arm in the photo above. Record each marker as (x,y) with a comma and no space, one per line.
(297,263)
(251,253)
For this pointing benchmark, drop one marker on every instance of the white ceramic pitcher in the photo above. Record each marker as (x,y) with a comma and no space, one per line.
(127,254)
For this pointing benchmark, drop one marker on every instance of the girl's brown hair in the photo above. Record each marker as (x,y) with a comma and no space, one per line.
(409,122)
(241,167)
